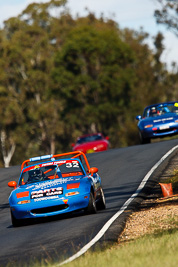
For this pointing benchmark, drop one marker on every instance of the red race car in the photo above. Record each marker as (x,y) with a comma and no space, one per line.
(91,143)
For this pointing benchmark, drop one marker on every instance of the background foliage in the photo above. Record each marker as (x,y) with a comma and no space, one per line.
(62,77)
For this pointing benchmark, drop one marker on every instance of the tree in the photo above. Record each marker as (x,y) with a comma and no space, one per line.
(11,110)
(168,14)
(95,68)
(27,57)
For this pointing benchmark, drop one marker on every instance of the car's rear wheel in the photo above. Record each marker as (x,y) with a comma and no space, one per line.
(15,222)
(101,204)
(91,209)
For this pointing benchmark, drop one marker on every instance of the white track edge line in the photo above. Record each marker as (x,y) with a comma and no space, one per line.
(117,214)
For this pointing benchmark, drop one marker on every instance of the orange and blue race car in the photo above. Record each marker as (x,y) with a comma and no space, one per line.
(55,184)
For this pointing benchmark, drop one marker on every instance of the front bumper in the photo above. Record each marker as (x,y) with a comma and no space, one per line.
(160,131)
(50,207)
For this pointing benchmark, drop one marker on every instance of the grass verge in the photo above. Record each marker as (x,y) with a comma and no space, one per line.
(158,250)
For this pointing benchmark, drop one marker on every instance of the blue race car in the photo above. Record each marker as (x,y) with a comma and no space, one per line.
(55,184)
(158,120)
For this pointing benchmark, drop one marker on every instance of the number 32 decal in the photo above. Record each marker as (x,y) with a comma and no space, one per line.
(72,164)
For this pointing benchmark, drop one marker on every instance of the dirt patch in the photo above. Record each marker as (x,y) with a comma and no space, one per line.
(162,215)
(154,213)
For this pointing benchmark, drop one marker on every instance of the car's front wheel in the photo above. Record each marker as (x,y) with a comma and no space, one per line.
(144,140)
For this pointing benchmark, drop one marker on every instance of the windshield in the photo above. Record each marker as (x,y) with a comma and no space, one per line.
(38,173)
(161,109)
(89,138)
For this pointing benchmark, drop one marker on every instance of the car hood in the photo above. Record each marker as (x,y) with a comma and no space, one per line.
(90,145)
(57,184)
(61,182)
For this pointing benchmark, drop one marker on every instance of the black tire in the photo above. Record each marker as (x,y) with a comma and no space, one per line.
(144,140)
(101,204)
(91,209)
(15,222)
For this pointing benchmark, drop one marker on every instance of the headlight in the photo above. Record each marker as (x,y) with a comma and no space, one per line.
(23,202)
(148,126)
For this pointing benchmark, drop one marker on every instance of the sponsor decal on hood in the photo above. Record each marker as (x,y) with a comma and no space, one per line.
(164,119)
(47,192)
(48,184)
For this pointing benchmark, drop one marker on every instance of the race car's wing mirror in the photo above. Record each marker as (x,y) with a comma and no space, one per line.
(93,170)
(12,184)
(138,118)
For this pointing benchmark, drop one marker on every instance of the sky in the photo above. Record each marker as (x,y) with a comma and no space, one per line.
(132,14)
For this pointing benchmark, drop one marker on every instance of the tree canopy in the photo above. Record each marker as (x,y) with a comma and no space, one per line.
(167,14)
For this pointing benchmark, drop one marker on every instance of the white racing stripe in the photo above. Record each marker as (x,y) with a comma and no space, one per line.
(116,215)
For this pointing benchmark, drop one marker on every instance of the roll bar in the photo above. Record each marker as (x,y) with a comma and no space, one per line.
(74,154)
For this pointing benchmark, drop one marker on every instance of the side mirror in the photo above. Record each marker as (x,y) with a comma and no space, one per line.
(107,137)
(12,184)
(72,145)
(138,118)
(93,170)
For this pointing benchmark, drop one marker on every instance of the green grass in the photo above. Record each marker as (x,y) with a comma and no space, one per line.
(158,250)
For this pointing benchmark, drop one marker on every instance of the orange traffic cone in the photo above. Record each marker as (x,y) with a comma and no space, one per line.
(166,189)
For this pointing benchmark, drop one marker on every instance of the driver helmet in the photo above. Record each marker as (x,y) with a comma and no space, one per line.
(36,174)
(153,111)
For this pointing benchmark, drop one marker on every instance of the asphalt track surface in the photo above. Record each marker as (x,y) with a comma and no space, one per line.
(56,239)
